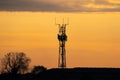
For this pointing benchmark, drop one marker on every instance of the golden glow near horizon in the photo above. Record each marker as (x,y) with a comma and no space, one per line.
(100,6)
(108,4)
(93,38)
(114,1)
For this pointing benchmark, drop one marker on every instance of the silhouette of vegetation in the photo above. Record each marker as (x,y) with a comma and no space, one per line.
(38,69)
(15,63)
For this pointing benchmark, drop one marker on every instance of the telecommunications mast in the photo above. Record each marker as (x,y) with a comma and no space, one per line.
(62,37)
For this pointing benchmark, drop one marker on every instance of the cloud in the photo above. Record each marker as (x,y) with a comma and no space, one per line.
(28,5)
(59,5)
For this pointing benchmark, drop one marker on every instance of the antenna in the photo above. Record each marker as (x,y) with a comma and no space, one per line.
(67,21)
(56,22)
(63,20)
(62,38)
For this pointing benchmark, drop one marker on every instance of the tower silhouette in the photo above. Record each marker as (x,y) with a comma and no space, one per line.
(62,37)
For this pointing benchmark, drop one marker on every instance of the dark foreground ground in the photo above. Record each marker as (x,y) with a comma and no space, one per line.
(69,74)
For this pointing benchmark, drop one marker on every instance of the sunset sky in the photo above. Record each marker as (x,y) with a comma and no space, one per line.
(93,32)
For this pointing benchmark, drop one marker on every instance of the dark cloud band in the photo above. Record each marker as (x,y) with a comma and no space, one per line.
(31,5)
(50,6)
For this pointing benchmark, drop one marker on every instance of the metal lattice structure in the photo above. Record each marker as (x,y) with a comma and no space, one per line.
(62,37)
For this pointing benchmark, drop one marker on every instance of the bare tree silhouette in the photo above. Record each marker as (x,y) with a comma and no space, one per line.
(15,63)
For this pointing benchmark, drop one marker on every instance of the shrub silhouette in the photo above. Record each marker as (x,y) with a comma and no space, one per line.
(38,69)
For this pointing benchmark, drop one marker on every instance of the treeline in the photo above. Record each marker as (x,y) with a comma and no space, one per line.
(15,66)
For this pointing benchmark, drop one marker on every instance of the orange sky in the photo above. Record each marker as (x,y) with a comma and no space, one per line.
(93,38)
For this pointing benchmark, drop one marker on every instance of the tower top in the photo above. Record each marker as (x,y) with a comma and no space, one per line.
(63,22)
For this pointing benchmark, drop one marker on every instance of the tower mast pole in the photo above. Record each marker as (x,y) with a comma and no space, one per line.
(62,38)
